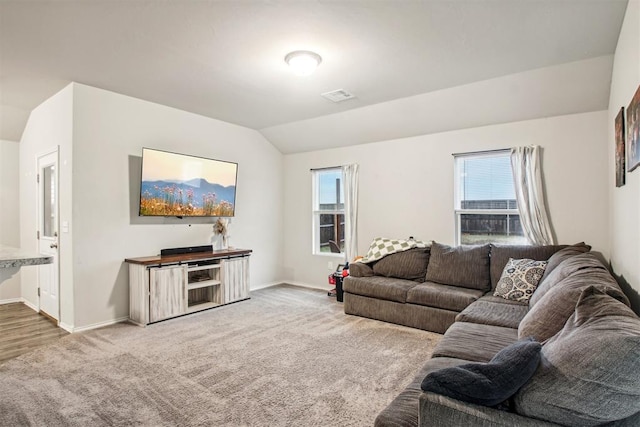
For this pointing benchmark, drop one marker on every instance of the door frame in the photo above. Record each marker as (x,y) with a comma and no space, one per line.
(54,150)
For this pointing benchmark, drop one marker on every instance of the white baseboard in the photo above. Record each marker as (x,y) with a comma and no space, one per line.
(266,285)
(66,327)
(73,329)
(22,300)
(326,287)
(11,300)
(291,282)
(30,305)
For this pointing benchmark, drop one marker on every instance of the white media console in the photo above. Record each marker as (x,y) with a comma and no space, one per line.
(163,287)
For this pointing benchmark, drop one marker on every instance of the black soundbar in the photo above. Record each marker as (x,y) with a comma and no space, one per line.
(189,250)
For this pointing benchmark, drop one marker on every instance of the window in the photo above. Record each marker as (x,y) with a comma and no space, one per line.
(328,211)
(486,209)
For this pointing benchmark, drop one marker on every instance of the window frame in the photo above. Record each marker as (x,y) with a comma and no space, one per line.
(457,199)
(316,212)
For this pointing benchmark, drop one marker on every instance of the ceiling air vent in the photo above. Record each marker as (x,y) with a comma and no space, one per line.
(338,95)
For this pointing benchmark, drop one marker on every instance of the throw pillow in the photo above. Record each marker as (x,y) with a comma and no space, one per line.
(490,383)
(408,265)
(588,374)
(519,279)
(465,266)
(500,255)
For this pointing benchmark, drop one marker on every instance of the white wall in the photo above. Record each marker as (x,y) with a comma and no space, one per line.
(406,186)
(625,201)
(49,126)
(9,216)
(109,131)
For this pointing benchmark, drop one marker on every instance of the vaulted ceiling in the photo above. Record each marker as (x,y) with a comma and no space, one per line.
(225,60)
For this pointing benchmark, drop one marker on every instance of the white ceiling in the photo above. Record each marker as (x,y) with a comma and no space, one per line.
(224,59)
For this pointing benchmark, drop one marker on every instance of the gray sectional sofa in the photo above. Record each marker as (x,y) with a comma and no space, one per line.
(426,288)
(589,373)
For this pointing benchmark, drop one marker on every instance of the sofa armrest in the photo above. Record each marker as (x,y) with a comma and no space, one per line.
(360,269)
(438,410)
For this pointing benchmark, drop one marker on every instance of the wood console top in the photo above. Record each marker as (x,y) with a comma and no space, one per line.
(173,259)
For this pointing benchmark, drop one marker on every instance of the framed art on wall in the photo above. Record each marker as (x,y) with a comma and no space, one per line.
(633,132)
(620,152)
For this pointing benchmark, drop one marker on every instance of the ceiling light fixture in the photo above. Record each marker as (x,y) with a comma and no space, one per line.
(303,62)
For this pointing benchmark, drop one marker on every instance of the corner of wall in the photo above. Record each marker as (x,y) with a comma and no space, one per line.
(624,202)
(49,126)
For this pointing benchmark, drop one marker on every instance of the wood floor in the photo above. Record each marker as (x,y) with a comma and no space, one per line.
(22,330)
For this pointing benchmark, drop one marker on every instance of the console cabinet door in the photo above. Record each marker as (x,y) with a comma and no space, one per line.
(235,279)
(167,291)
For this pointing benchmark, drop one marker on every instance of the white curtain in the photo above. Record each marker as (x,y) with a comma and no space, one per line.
(527,177)
(350,180)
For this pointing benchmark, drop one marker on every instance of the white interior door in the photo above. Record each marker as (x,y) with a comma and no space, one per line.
(48,274)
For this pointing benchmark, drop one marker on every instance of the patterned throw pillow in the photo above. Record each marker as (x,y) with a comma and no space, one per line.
(519,279)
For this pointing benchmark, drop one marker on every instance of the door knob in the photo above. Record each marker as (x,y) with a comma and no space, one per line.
(53,245)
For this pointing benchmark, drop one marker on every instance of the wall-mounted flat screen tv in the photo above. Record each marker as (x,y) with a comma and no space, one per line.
(181,185)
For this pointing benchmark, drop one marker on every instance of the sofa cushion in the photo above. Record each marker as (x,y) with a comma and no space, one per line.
(412,315)
(589,371)
(379,287)
(493,313)
(360,269)
(474,342)
(565,268)
(548,316)
(408,265)
(564,253)
(519,279)
(466,266)
(488,384)
(403,410)
(500,255)
(442,296)
(494,299)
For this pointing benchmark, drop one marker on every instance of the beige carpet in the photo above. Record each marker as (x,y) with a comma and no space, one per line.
(287,357)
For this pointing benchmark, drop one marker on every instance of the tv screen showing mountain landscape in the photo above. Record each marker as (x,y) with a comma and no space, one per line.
(181,185)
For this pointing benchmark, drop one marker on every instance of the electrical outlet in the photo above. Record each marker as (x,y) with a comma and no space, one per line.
(330,265)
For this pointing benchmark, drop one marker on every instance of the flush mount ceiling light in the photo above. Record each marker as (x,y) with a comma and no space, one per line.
(303,62)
